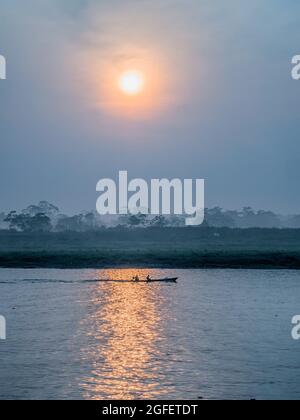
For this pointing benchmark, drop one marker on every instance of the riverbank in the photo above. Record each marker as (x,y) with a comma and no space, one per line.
(160,248)
(141,259)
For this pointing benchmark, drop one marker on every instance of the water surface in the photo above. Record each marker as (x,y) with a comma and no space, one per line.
(216,334)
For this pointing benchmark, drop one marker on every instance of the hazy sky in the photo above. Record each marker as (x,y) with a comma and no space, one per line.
(219,102)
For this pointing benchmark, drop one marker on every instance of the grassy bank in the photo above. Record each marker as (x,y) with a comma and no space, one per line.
(155,247)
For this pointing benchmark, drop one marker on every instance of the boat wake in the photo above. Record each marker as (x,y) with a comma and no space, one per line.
(89,281)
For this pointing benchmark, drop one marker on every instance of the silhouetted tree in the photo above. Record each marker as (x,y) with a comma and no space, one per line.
(159,221)
(266,219)
(73,224)
(137,220)
(26,223)
(216,217)
(43,207)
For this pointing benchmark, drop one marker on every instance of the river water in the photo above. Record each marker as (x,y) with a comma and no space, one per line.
(217,334)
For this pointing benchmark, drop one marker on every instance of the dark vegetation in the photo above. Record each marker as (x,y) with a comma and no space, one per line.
(203,247)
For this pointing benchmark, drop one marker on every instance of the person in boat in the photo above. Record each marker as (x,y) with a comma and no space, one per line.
(136,279)
(148,278)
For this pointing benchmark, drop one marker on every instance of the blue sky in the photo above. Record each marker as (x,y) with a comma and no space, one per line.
(227,109)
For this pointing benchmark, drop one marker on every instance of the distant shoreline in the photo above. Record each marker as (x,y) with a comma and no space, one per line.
(177,248)
(209,261)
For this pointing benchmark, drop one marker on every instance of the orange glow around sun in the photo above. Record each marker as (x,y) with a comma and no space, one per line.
(129,83)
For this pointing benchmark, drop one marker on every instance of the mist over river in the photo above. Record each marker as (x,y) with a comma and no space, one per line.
(216,334)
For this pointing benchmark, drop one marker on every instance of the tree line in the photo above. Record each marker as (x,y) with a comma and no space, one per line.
(45,217)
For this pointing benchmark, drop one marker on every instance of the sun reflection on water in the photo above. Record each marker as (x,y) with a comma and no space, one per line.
(126,339)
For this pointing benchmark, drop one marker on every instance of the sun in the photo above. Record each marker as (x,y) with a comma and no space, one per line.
(131,83)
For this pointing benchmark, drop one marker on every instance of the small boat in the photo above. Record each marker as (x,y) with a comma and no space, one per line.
(166,280)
